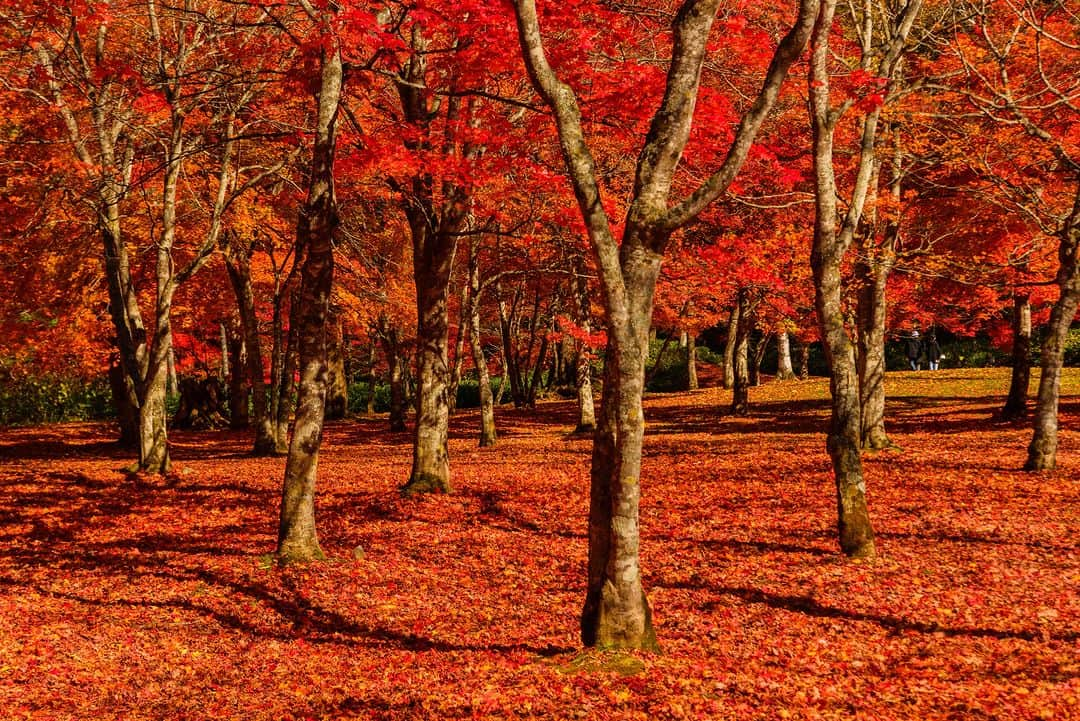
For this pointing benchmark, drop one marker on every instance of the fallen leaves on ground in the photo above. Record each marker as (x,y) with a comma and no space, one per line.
(129,598)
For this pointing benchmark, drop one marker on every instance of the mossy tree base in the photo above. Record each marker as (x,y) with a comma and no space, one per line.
(425,483)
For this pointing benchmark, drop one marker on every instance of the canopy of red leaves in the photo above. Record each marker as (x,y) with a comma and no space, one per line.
(122,599)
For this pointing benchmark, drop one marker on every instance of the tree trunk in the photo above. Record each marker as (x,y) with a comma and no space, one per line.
(1042,453)
(1016,405)
(488,435)
(238,388)
(740,396)
(871,314)
(297,538)
(729,348)
(583,371)
(126,404)
(287,387)
(396,361)
(804,361)
(372,377)
(616,612)
(538,372)
(856,535)
(784,369)
(691,362)
(431,459)
(459,352)
(238,266)
(759,356)
(337,383)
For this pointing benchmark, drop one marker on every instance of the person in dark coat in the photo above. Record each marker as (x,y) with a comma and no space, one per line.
(914,350)
(933,351)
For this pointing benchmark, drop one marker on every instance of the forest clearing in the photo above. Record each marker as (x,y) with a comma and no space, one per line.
(140,597)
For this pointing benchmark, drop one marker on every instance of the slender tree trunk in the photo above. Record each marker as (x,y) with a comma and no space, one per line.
(287,388)
(784,369)
(740,397)
(173,386)
(238,388)
(691,362)
(459,351)
(1042,452)
(759,356)
(804,361)
(297,538)
(337,383)
(856,535)
(871,314)
(1016,405)
(729,348)
(224,370)
(396,361)
(372,376)
(583,371)
(126,404)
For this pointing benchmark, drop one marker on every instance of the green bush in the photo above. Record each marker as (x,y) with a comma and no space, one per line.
(358,398)
(53,399)
(671,374)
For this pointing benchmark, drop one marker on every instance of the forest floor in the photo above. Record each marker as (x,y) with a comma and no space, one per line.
(132,598)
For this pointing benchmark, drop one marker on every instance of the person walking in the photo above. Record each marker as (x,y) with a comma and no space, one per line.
(933,351)
(914,350)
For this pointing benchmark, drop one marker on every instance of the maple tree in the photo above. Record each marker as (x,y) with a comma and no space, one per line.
(616,612)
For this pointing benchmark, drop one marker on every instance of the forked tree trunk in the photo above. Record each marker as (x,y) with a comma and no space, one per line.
(616,613)
(759,356)
(784,369)
(297,537)
(1016,405)
(1042,452)
(833,236)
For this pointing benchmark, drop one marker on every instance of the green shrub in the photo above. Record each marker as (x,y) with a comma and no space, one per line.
(53,399)
(358,397)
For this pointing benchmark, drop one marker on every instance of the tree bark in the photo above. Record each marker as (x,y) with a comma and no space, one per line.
(126,404)
(297,537)
(616,613)
(337,383)
(1016,405)
(1042,452)
(729,347)
(691,362)
(488,434)
(784,369)
(583,370)
(740,396)
(238,387)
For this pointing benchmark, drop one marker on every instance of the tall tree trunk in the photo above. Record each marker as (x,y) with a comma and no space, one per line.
(804,361)
(831,241)
(729,347)
(372,376)
(488,434)
(691,362)
(1016,405)
(538,372)
(1042,452)
(784,369)
(297,537)
(871,315)
(759,357)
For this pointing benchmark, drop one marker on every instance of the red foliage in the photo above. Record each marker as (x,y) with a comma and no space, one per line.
(126,599)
